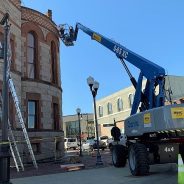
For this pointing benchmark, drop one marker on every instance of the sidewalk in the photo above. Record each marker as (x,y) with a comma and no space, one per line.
(89,161)
(52,173)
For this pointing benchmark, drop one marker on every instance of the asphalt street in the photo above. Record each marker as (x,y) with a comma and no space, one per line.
(159,174)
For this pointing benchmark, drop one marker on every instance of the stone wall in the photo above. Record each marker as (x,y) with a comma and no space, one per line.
(22,21)
(46,32)
(15,36)
(50,145)
(40,19)
(42,88)
(47,92)
(17,3)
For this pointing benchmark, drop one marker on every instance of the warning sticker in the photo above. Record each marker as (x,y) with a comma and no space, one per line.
(177,112)
(96,37)
(147,120)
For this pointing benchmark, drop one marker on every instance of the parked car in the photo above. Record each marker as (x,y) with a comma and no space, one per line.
(70,143)
(102,144)
(109,142)
(88,145)
(123,140)
(104,139)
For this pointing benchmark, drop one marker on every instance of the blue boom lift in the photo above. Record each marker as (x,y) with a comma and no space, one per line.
(155,131)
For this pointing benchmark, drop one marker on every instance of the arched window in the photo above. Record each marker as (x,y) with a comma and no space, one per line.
(31,55)
(131,99)
(53,63)
(119,104)
(100,111)
(109,108)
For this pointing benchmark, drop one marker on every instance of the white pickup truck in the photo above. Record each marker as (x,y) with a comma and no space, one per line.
(70,143)
(122,141)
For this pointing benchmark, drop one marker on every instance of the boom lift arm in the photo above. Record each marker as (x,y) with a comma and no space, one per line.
(151,71)
(155,135)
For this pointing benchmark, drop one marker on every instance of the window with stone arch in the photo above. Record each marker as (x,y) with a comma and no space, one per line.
(120,104)
(109,108)
(131,99)
(31,55)
(100,111)
(53,63)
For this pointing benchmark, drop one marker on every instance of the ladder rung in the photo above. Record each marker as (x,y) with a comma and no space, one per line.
(21,121)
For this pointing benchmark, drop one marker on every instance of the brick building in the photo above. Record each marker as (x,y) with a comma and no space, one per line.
(71,126)
(35,70)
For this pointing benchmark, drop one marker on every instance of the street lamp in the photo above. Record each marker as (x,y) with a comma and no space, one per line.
(4,149)
(78,110)
(94,85)
(87,125)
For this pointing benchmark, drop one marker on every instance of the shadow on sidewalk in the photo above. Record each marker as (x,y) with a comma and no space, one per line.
(88,160)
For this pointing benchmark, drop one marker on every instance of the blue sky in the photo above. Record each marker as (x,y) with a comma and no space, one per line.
(153,29)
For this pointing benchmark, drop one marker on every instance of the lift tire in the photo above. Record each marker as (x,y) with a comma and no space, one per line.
(138,159)
(119,155)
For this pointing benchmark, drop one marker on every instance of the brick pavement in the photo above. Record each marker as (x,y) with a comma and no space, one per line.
(88,159)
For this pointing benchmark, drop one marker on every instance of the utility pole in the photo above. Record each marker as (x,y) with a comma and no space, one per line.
(4,148)
(87,124)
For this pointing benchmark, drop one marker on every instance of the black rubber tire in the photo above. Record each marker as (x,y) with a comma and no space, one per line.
(138,159)
(119,155)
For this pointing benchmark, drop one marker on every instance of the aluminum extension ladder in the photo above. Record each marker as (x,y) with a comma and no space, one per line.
(21,121)
(13,145)
(14,149)
(16,102)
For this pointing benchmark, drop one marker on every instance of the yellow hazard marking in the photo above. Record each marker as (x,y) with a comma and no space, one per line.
(147,118)
(177,112)
(96,37)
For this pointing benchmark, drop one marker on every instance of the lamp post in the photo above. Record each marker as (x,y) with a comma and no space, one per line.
(4,149)
(87,124)
(94,85)
(78,110)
